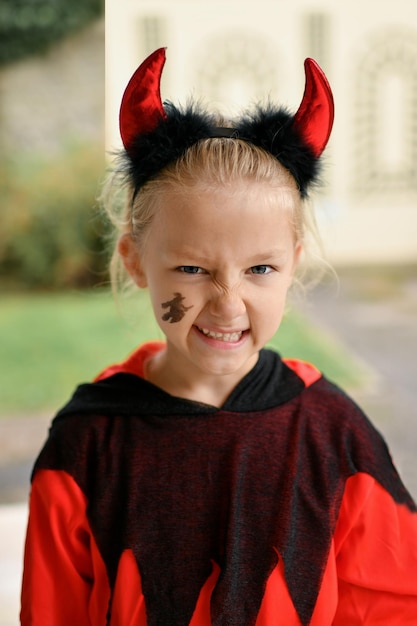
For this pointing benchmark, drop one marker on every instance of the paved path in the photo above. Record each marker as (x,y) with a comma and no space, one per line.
(21,440)
(375,315)
(12,530)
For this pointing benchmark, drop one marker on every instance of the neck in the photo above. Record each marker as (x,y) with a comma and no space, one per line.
(205,388)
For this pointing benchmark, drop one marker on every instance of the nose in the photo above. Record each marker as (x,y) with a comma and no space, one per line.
(227,305)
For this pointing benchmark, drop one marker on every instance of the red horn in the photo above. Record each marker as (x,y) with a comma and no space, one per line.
(141,108)
(314,118)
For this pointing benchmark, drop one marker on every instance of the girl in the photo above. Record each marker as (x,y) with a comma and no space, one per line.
(205,480)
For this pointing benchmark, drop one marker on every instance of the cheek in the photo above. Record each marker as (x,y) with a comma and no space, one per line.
(175,308)
(171,300)
(270,305)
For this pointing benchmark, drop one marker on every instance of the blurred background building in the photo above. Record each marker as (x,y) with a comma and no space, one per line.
(232,52)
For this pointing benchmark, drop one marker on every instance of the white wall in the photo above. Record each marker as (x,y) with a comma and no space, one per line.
(265,42)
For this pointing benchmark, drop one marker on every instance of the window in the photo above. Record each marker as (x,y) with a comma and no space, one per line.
(317,38)
(151,34)
(385,116)
(237,70)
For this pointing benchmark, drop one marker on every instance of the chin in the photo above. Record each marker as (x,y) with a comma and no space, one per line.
(229,366)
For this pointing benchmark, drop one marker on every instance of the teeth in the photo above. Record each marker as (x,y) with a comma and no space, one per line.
(232,337)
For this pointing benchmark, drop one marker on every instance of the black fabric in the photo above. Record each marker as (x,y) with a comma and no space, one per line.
(223,131)
(268,384)
(230,486)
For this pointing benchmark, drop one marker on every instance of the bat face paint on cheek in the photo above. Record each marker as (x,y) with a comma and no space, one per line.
(177,309)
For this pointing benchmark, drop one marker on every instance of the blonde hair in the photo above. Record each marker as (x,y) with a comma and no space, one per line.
(207,165)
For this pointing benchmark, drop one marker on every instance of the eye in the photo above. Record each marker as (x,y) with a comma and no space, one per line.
(261,269)
(190,269)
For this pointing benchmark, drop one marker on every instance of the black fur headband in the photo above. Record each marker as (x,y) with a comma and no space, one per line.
(155,135)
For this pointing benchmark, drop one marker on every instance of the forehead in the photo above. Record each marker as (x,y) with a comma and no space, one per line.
(231,216)
(237,198)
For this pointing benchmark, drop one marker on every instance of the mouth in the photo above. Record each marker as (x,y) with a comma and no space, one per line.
(232,337)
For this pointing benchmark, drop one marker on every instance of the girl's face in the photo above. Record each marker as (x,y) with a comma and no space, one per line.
(218,265)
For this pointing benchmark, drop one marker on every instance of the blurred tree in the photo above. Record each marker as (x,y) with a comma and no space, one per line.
(29,27)
(50,236)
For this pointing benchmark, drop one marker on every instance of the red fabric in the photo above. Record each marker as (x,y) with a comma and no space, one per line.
(370,577)
(64,581)
(306,371)
(376,558)
(134,364)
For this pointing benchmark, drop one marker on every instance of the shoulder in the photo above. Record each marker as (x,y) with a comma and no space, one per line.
(308,372)
(72,438)
(331,410)
(322,398)
(346,438)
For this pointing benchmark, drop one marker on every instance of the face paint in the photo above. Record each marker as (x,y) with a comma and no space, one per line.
(176,309)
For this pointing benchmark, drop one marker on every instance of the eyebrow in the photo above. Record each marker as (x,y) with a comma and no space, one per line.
(268,255)
(258,259)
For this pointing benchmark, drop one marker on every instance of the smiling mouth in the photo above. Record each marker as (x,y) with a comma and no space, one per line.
(227,337)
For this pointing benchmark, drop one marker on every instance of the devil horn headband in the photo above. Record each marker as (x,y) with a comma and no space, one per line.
(314,118)
(141,108)
(154,135)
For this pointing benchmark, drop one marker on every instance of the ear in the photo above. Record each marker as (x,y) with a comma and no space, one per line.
(129,252)
(297,253)
(298,248)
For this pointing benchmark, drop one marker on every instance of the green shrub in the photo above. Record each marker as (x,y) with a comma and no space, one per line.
(51,235)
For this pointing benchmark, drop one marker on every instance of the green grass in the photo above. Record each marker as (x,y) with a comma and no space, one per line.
(51,342)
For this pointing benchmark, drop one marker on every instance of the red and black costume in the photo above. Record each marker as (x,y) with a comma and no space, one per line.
(281,507)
